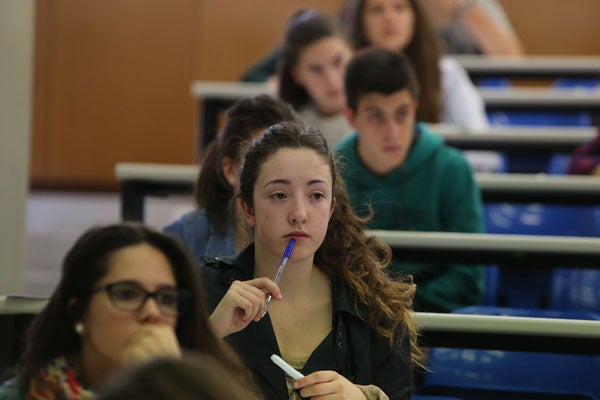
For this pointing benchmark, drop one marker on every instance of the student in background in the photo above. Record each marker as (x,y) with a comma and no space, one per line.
(213,228)
(406,174)
(311,72)
(447,94)
(473,27)
(335,315)
(586,158)
(127,294)
(195,376)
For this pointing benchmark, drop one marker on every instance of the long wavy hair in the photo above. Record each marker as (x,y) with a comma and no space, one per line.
(52,334)
(244,119)
(346,251)
(423,51)
(304,28)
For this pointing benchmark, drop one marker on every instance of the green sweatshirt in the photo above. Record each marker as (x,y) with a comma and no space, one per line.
(433,190)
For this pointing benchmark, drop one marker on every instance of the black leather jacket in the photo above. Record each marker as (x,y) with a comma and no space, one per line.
(352,349)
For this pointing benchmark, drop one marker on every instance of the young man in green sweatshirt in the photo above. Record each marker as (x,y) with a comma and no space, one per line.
(407,175)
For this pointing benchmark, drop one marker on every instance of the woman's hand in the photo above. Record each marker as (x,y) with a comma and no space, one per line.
(244,302)
(150,341)
(328,385)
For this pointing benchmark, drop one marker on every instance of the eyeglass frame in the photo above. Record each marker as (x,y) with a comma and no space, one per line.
(182,296)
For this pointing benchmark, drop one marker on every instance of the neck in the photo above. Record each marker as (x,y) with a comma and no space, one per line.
(296,277)
(95,372)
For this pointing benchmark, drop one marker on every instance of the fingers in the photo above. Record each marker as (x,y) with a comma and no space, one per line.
(248,298)
(242,304)
(326,385)
(150,341)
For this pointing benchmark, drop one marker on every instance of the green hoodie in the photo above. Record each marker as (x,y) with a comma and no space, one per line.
(433,190)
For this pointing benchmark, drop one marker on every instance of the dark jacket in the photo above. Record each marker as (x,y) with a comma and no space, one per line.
(353,348)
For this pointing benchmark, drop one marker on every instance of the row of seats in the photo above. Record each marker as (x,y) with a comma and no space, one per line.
(559,293)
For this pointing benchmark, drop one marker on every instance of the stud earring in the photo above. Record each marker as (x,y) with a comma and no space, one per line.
(79,328)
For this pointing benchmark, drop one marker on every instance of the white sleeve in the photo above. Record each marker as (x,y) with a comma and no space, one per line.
(497,13)
(462,103)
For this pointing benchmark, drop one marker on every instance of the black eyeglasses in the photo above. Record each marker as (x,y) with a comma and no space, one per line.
(130,296)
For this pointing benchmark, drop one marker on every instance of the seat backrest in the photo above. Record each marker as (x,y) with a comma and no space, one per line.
(487,374)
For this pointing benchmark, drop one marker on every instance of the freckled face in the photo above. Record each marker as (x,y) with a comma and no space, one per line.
(292,199)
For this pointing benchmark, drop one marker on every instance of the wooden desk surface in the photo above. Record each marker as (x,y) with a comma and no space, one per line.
(531,65)
(490,242)
(540,97)
(224,90)
(532,182)
(533,134)
(429,322)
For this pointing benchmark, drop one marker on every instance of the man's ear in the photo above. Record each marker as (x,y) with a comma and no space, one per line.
(229,170)
(350,116)
(248,212)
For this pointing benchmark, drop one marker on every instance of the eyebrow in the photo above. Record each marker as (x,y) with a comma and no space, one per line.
(403,106)
(287,182)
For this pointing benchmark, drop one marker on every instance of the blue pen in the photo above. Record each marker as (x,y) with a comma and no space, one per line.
(286,255)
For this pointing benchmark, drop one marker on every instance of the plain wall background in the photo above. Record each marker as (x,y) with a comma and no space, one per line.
(16,50)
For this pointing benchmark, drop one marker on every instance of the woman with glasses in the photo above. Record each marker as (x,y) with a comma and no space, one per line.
(127,294)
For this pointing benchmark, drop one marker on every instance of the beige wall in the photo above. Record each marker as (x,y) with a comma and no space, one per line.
(16,41)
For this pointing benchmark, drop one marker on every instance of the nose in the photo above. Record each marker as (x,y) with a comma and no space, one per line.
(392,128)
(333,78)
(150,312)
(298,213)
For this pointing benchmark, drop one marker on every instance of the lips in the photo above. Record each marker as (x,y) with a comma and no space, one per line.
(392,149)
(296,234)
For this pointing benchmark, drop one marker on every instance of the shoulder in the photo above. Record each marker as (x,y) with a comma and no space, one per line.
(9,390)
(195,220)
(448,156)
(226,269)
(452,73)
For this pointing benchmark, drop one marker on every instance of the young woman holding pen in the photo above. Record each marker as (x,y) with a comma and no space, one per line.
(335,316)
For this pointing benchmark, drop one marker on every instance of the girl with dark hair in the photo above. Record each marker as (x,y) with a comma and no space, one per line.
(311,68)
(213,228)
(335,315)
(447,94)
(127,294)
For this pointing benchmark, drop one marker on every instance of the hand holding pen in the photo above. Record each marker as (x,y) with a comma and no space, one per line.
(244,302)
(286,255)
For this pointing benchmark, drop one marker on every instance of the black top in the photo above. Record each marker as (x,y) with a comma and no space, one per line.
(353,348)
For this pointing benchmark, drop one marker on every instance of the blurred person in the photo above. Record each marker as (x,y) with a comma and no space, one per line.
(214,228)
(311,72)
(397,169)
(473,27)
(447,93)
(127,294)
(195,376)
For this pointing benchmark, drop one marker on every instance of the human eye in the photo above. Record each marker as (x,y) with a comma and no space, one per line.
(127,292)
(375,118)
(375,9)
(168,298)
(318,196)
(400,5)
(278,196)
(316,69)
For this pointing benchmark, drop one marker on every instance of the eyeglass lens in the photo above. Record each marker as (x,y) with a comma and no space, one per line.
(130,296)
